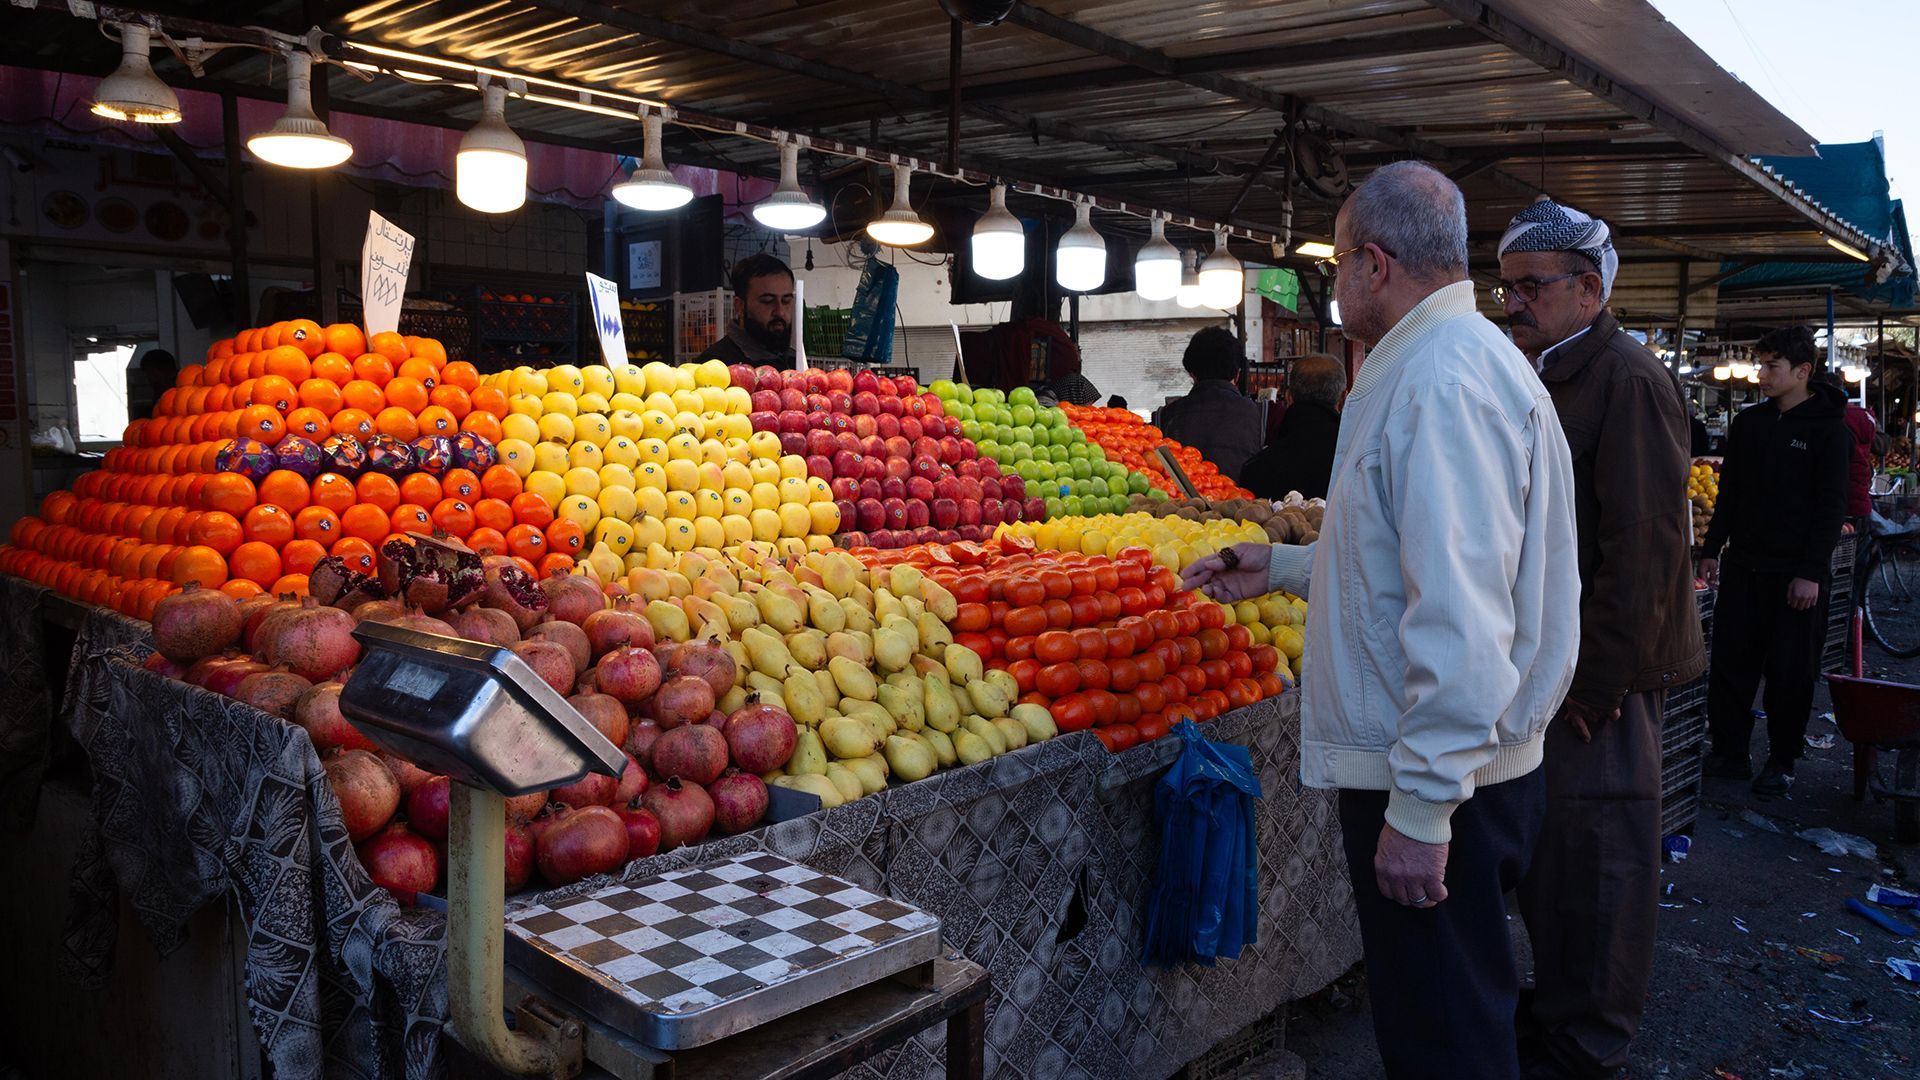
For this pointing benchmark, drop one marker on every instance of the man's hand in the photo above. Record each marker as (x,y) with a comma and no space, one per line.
(1710,572)
(1408,871)
(1802,594)
(1585,718)
(1237,573)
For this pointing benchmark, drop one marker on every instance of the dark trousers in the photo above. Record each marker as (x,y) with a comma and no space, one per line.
(1442,979)
(1592,894)
(1756,634)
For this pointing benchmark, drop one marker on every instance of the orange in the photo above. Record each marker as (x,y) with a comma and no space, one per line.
(201,565)
(365,522)
(270,338)
(309,423)
(268,524)
(346,339)
(240,588)
(554,564)
(407,392)
(422,488)
(334,368)
(277,391)
(411,518)
(531,508)
(374,368)
(317,523)
(428,375)
(460,484)
(451,398)
(364,395)
(332,491)
(482,424)
(357,552)
(500,482)
(493,514)
(453,517)
(305,335)
(427,349)
(488,399)
(291,363)
(218,530)
(434,420)
(379,491)
(390,345)
(263,422)
(290,583)
(461,374)
(285,489)
(355,422)
(397,422)
(566,537)
(299,556)
(320,394)
(255,561)
(487,541)
(242,394)
(230,492)
(526,542)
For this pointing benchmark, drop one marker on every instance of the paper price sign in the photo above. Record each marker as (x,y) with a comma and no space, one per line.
(384,257)
(605,296)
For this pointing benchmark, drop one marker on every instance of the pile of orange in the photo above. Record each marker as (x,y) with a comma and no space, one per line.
(158,514)
(1131,441)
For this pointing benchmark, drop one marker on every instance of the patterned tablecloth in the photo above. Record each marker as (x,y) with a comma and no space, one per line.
(1036,862)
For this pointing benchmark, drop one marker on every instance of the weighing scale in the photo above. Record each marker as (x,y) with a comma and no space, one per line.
(667,963)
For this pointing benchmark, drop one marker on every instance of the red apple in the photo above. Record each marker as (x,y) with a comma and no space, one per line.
(926,467)
(905,386)
(816,381)
(892,407)
(950,451)
(817,403)
(1034,509)
(917,515)
(893,487)
(765,421)
(742,375)
(917,406)
(990,489)
(885,425)
(793,442)
(990,512)
(820,442)
(840,423)
(766,401)
(972,532)
(901,467)
(870,514)
(947,487)
(899,447)
(872,467)
(854,538)
(925,447)
(794,420)
(1011,510)
(870,488)
(768,377)
(866,426)
(845,487)
(911,429)
(866,382)
(840,401)
(849,513)
(795,381)
(872,445)
(866,402)
(920,487)
(845,463)
(896,511)
(840,379)
(846,440)
(1013,487)
(820,466)
(945,512)
(885,387)
(794,399)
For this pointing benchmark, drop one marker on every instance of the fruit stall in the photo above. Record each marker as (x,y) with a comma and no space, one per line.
(930,641)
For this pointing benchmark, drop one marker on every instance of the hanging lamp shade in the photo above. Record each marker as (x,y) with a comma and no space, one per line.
(999,240)
(133,92)
(1080,261)
(300,139)
(1222,281)
(789,209)
(651,187)
(490,171)
(900,226)
(1156,269)
(1188,295)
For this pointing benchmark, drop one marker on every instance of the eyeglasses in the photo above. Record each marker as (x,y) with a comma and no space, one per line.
(1332,262)
(1526,290)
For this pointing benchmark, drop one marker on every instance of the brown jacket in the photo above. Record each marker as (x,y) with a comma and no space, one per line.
(1622,412)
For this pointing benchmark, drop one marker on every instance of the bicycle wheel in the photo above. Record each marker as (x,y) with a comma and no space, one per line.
(1891,604)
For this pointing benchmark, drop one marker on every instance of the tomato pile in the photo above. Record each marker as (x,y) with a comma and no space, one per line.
(1103,642)
(1131,441)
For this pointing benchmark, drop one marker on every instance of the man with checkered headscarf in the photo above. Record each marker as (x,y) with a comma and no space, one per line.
(1591,895)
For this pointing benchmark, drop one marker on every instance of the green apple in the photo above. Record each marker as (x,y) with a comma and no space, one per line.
(1021,452)
(943,389)
(1073,505)
(1054,507)
(1097,486)
(1022,395)
(1023,414)
(1079,436)
(959,410)
(1137,483)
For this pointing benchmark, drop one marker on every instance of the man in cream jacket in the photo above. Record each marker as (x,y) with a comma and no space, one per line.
(1443,626)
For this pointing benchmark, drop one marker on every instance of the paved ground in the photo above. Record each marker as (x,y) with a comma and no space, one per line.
(1762,973)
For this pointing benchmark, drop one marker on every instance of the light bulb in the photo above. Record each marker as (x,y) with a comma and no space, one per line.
(1314,249)
(1222,281)
(1080,261)
(1722,372)
(999,240)
(1188,295)
(300,139)
(133,92)
(900,226)
(490,171)
(652,187)
(1156,269)
(789,209)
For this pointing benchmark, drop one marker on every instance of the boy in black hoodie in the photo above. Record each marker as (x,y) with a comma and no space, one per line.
(1783,496)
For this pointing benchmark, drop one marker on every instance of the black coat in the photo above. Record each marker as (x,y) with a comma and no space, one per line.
(1300,457)
(1783,487)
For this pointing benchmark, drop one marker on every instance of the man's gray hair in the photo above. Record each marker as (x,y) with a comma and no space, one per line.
(1318,378)
(1414,212)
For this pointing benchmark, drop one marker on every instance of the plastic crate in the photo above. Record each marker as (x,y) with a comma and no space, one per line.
(1234,1053)
(823,329)
(1688,699)
(699,320)
(519,321)
(1682,770)
(648,326)
(1680,732)
(1679,811)
(451,327)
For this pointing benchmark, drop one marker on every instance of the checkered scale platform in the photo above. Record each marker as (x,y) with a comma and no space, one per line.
(691,941)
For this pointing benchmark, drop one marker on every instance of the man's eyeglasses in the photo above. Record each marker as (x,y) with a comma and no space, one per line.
(1526,290)
(1332,262)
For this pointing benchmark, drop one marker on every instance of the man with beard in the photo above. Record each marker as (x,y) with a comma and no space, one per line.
(1442,628)
(1591,896)
(761,332)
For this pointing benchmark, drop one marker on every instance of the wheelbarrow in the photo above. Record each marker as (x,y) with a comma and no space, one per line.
(1876,715)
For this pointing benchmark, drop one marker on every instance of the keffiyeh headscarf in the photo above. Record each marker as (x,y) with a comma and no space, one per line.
(1549,226)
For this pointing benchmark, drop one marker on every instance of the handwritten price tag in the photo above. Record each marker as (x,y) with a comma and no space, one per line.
(385,256)
(605,296)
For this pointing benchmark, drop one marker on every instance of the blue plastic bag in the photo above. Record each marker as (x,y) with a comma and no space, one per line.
(1204,902)
(869,334)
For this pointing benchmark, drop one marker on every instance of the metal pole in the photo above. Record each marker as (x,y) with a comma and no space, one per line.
(236,214)
(1830,341)
(954,29)
(476,946)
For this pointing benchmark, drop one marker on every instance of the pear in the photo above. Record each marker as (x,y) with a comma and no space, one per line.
(911,759)
(846,780)
(839,573)
(892,649)
(979,726)
(809,754)
(942,713)
(1038,722)
(971,749)
(678,585)
(942,747)
(768,652)
(815,784)
(886,605)
(907,706)
(669,622)
(742,663)
(829,690)
(987,698)
(847,737)
(659,558)
(649,584)
(706,618)
(759,682)
(778,611)
(1012,731)
(962,699)
(927,665)
(939,600)
(808,648)
(855,646)
(806,575)
(863,595)
(858,618)
(963,664)
(904,580)
(854,680)
(872,772)
(691,564)
(934,635)
(1004,681)
(915,609)
(741,612)
(733,700)
(772,775)
(872,715)
(804,702)
(823,610)
(604,564)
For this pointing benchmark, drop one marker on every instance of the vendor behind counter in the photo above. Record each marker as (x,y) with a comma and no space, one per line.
(1215,418)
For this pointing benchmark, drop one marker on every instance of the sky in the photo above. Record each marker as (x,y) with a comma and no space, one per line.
(1836,67)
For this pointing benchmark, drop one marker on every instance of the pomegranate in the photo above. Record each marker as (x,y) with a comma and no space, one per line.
(332,583)
(366,789)
(519,855)
(643,829)
(200,670)
(739,802)
(427,808)
(257,618)
(437,573)
(760,737)
(606,714)
(550,815)
(707,660)
(641,735)
(683,699)
(417,619)
(513,590)
(613,627)
(385,611)
(549,660)
(632,785)
(573,597)
(313,640)
(568,635)
(525,807)
(273,692)
(160,665)
(696,753)
(318,711)
(226,678)
(401,861)
(486,625)
(252,604)
(195,623)
(685,811)
(405,773)
(593,789)
(587,683)
(584,843)
(715,719)
(628,672)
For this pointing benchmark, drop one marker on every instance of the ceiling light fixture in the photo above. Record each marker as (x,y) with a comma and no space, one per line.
(1188,295)
(490,171)
(133,92)
(1222,281)
(1156,270)
(300,139)
(900,226)
(1080,260)
(652,187)
(1314,249)
(789,209)
(1722,372)
(999,240)
(1848,249)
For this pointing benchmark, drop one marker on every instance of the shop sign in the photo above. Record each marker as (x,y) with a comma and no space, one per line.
(385,256)
(606,320)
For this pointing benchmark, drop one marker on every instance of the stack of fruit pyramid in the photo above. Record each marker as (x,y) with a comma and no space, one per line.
(1703,490)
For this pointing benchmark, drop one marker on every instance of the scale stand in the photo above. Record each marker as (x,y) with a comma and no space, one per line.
(669,963)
